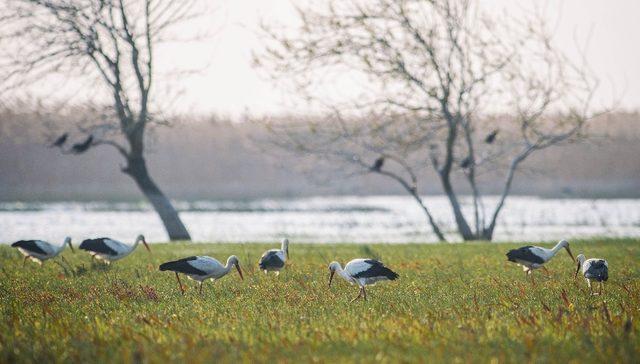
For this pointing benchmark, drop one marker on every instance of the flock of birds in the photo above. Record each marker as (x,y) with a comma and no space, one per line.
(361,271)
(534,257)
(76,148)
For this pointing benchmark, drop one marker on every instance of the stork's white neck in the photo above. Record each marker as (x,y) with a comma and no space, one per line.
(133,247)
(229,265)
(344,274)
(61,247)
(581,259)
(556,248)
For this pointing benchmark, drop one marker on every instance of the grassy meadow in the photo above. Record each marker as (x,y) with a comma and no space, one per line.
(454,303)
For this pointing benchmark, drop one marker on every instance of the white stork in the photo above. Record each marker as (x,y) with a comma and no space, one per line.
(274,259)
(534,257)
(39,251)
(593,269)
(200,268)
(109,250)
(363,272)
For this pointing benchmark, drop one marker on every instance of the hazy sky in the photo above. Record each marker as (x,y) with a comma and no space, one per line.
(226,83)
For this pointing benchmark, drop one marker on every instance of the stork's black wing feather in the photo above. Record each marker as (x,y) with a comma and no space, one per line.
(377,270)
(182,266)
(97,246)
(597,271)
(29,245)
(524,254)
(271,260)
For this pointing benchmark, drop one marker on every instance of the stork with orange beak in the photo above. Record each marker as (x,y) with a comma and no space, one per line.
(39,250)
(534,257)
(200,268)
(109,250)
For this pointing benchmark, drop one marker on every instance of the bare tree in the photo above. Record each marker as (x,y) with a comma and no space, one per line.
(446,86)
(111,41)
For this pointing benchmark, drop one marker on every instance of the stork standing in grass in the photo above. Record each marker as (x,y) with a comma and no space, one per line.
(593,269)
(200,268)
(274,259)
(534,257)
(39,251)
(109,250)
(363,272)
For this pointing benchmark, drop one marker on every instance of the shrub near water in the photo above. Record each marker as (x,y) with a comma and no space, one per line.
(461,302)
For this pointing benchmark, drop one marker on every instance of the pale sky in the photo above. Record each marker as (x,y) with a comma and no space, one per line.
(227,84)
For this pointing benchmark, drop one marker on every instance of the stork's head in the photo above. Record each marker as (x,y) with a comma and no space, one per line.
(333,267)
(67,241)
(285,246)
(565,244)
(233,261)
(141,239)
(581,258)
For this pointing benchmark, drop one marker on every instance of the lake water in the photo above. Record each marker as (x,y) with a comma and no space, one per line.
(319,219)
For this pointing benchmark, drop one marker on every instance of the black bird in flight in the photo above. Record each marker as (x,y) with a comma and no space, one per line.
(465,163)
(377,165)
(60,141)
(79,148)
(491,137)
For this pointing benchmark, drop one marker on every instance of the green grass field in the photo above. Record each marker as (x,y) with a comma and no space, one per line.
(454,303)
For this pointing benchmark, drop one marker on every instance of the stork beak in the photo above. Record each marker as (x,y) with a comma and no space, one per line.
(71,246)
(577,270)
(239,271)
(145,245)
(571,255)
(331,277)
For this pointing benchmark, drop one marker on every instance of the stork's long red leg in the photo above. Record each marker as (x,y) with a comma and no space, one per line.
(24,262)
(179,283)
(200,288)
(364,292)
(545,269)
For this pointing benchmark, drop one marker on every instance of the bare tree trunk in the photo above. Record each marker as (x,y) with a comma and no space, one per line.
(461,222)
(476,202)
(471,178)
(137,169)
(445,174)
(487,233)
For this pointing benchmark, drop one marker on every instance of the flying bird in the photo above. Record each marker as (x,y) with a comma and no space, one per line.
(491,137)
(363,272)
(274,259)
(79,148)
(200,268)
(39,251)
(534,257)
(109,250)
(60,141)
(593,269)
(377,165)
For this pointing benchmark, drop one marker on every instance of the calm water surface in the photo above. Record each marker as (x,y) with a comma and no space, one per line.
(318,219)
